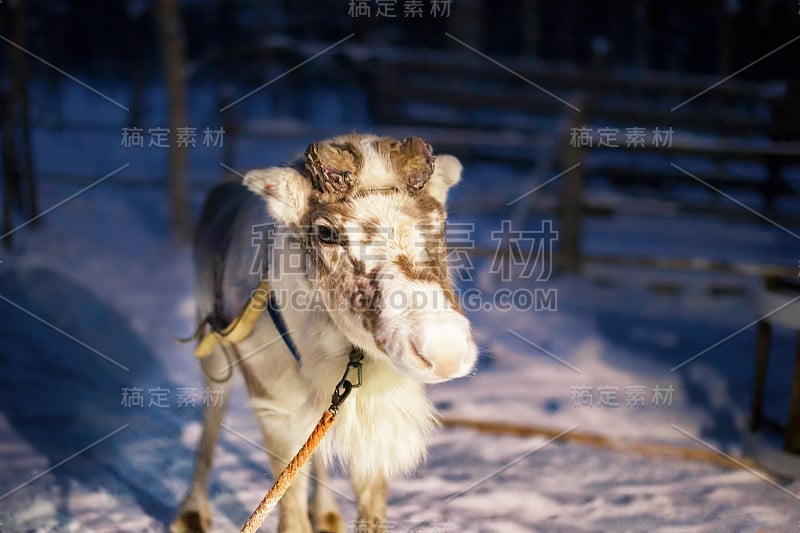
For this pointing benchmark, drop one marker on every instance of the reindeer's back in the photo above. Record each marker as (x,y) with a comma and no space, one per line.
(224,255)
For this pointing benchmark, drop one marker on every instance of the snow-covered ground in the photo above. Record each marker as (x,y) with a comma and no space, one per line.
(76,456)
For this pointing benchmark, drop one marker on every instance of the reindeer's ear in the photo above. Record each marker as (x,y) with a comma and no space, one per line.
(284,189)
(446,173)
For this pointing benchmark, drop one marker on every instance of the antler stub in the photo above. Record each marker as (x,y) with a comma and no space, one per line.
(413,161)
(332,166)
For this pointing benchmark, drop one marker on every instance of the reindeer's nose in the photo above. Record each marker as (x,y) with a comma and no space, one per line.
(443,346)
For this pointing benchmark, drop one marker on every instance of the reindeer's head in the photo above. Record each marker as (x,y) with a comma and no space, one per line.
(371,212)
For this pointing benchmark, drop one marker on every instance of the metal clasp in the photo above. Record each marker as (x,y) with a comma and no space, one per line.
(345,386)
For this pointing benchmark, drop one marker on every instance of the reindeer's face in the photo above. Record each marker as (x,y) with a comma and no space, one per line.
(371,211)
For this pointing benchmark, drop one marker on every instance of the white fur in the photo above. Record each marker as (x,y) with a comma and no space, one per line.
(383,428)
(284,190)
(446,173)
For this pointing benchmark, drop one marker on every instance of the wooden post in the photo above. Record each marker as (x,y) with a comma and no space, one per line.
(11,175)
(565,38)
(571,207)
(784,126)
(227,92)
(226,20)
(641,36)
(171,33)
(531,28)
(760,374)
(727,36)
(135,30)
(22,70)
(572,183)
(792,442)
(467,23)
(674,23)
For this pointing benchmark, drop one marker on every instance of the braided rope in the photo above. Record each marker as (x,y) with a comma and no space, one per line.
(289,474)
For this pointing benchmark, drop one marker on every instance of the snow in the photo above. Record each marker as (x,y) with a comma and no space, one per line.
(103,269)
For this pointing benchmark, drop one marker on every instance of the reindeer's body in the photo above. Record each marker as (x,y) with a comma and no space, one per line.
(381,429)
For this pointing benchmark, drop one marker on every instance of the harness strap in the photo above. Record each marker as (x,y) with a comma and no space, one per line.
(239,328)
(242,325)
(280,325)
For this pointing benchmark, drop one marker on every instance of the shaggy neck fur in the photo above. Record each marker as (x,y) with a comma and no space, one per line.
(383,427)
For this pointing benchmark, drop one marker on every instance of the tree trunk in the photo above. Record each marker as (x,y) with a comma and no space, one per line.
(226,84)
(139,70)
(641,35)
(467,25)
(171,36)
(22,75)
(728,43)
(792,441)
(11,170)
(531,28)
(11,174)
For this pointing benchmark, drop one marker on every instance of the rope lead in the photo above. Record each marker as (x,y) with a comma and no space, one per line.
(289,474)
(343,389)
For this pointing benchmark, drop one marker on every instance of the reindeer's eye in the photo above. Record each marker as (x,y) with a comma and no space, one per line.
(326,234)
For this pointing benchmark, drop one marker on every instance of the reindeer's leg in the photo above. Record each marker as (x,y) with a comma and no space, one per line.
(324,511)
(283,439)
(371,495)
(284,433)
(195,512)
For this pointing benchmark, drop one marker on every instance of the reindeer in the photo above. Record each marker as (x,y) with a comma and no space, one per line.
(366,216)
